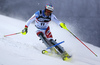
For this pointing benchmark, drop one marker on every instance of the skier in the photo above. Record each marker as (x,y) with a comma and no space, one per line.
(42,19)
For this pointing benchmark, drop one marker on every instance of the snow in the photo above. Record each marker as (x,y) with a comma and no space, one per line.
(26,49)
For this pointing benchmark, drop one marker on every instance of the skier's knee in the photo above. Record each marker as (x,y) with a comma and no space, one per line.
(40,33)
(50,40)
(53,41)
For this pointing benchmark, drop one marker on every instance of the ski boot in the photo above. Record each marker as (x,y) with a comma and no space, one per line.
(65,56)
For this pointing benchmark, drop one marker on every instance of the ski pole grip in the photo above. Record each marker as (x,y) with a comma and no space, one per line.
(63,26)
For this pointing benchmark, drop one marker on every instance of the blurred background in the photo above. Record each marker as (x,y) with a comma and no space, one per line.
(81,16)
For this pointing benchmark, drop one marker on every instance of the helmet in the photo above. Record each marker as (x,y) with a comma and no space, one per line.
(49,7)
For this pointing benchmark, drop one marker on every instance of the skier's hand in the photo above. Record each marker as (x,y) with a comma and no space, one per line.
(62,25)
(24,31)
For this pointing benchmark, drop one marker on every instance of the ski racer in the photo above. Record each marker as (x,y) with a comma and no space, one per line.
(42,19)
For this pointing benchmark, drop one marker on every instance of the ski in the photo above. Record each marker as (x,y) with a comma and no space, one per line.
(50,54)
(64,58)
(55,53)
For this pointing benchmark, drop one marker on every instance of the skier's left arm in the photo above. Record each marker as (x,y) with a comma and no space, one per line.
(62,25)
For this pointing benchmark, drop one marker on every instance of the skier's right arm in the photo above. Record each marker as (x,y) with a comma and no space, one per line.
(25,30)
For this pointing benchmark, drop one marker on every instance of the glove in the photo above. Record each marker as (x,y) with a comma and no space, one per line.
(24,31)
(62,25)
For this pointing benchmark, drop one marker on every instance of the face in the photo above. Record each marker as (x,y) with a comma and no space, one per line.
(48,12)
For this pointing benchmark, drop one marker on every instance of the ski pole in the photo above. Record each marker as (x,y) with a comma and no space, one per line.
(81,42)
(65,27)
(12,34)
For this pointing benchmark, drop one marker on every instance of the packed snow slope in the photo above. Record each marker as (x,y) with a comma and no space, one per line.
(26,49)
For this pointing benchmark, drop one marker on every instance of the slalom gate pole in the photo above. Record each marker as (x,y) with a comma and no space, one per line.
(12,34)
(55,45)
(81,42)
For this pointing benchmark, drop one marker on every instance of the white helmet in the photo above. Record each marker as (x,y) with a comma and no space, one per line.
(49,7)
